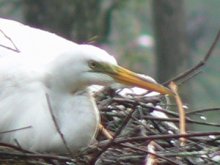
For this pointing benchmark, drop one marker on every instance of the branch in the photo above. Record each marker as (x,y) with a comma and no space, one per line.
(15,49)
(202,110)
(35,156)
(182,115)
(126,120)
(176,120)
(13,130)
(165,137)
(194,70)
(148,152)
(57,126)
(14,147)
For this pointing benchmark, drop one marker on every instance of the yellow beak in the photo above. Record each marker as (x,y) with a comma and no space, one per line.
(128,77)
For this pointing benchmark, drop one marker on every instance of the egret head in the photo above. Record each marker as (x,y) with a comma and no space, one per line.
(87,65)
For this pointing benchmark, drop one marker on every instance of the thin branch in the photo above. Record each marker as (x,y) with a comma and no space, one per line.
(195,68)
(15,49)
(190,153)
(182,115)
(194,74)
(14,130)
(130,101)
(202,110)
(34,156)
(14,147)
(202,123)
(151,159)
(165,137)
(105,132)
(57,126)
(177,120)
(148,152)
(126,120)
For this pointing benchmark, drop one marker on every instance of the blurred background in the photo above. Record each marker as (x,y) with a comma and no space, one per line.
(161,38)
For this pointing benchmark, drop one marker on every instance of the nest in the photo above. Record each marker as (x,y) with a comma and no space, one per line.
(143,130)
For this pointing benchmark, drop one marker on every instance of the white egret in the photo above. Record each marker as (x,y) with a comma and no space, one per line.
(49,64)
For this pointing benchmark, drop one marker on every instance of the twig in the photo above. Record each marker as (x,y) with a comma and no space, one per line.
(148,152)
(151,158)
(126,120)
(188,77)
(202,110)
(177,120)
(57,126)
(15,147)
(18,144)
(195,68)
(161,119)
(105,132)
(190,153)
(182,115)
(14,130)
(15,47)
(202,123)
(130,101)
(35,156)
(165,137)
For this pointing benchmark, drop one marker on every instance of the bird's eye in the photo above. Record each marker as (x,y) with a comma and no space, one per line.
(93,64)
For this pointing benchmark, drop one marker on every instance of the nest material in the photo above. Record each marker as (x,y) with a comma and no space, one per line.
(139,137)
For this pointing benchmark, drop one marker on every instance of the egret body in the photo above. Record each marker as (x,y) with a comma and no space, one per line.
(64,75)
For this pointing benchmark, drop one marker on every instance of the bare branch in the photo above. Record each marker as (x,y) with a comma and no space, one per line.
(35,156)
(195,69)
(14,147)
(169,136)
(176,120)
(148,152)
(182,115)
(126,120)
(57,126)
(15,49)
(202,110)
(14,130)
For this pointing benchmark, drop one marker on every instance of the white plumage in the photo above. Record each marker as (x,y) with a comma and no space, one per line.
(49,64)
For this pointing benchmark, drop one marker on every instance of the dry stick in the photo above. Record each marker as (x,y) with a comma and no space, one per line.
(18,144)
(194,74)
(177,120)
(35,156)
(57,126)
(165,137)
(202,123)
(148,152)
(14,147)
(127,100)
(126,120)
(151,159)
(15,47)
(202,110)
(14,130)
(182,115)
(105,132)
(199,65)
(18,147)
(191,153)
